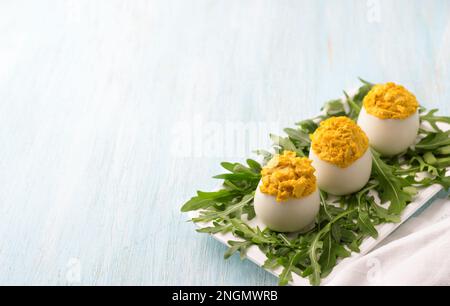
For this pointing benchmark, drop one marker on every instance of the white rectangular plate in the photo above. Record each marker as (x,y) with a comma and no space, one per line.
(424,198)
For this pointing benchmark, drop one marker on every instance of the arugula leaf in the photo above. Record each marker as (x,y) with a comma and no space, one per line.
(300,136)
(249,210)
(206,216)
(355,108)
(383,213)
(336,232)
(362,92)
(390,188)
(308,126)
(334,108)
(365,82)
(328,258)
(255,235)
(331,251)
(443,150)
(433,120)
(365,224)
(354,246)
(254,165)
(271,264)
(346,235)
(235,246)
(267,156)
(217,228)
(425,163)
(238,176)
(206,199)
(253,169)
(286,144)
(434,141)
(229,166)
(355,102)
(444,182)
(286,274)
(317,245)
(441,179)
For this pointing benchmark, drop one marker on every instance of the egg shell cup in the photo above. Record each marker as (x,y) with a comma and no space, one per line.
(389,136)
(341,181)
(292,215)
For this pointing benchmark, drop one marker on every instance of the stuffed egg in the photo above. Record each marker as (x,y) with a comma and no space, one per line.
(287,198)
(390,118)
(341,156)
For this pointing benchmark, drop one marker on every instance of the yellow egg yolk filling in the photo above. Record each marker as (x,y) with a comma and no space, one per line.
(339,141)
(390,101)
(287,176)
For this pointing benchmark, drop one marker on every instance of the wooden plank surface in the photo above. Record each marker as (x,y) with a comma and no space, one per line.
(113,113)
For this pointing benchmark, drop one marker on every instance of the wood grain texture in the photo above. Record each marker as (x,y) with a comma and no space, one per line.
(93,95)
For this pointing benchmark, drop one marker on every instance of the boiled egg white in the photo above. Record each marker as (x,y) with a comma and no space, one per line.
(389,136)
(292,215)
(341,181)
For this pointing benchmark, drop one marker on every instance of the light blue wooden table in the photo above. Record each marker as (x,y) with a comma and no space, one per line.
(99,101)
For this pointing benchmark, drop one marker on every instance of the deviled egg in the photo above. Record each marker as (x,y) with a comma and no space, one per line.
(287,198)
(341,156)
(390,118)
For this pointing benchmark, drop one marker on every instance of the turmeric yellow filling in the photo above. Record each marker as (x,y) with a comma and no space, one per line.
(339,141)
(287,176)
(390,101)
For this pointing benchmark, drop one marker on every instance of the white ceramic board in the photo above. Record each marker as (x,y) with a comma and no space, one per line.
(424,198)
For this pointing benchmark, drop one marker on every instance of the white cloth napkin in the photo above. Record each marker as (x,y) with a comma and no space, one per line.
(417,253)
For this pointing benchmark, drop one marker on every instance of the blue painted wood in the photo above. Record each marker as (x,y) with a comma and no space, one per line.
(113,113)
